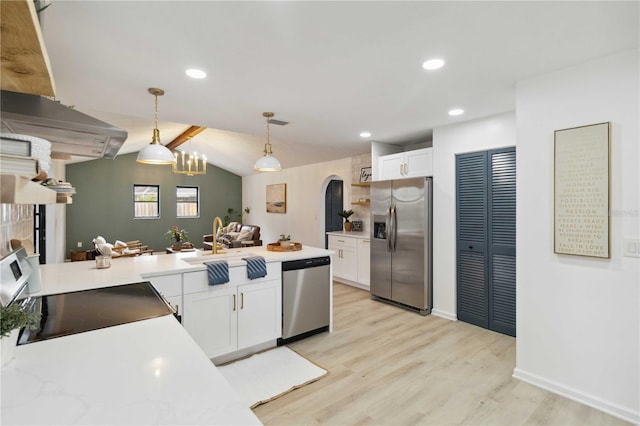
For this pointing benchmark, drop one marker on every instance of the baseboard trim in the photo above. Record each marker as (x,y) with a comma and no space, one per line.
(352,283)
(444,314)
(576,395)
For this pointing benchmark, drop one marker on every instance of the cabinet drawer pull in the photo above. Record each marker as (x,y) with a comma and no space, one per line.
(401,169)
(406,169)
(241,300)
(366,241)
(342,241)
(234,302)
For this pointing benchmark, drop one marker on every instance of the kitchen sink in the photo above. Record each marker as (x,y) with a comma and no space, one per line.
(229,256)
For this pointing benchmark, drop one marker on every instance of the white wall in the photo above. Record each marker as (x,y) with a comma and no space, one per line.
(578,324)
(477,135)
(306,186)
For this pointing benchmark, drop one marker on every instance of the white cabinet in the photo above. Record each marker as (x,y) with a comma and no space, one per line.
(364,261)
(406,164)
(211,319)
(345,260)
(170,287)
(229,317)
(351,259)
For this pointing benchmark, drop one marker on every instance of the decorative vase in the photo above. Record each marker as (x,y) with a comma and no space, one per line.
(177,246)
(8,346)
(347,226)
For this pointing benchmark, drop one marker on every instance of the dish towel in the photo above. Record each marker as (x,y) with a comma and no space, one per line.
(218,272)
(256,267)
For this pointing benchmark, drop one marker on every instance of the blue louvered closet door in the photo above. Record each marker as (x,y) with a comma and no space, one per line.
(486,217)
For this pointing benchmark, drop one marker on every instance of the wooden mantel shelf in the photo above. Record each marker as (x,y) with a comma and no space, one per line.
(25,63)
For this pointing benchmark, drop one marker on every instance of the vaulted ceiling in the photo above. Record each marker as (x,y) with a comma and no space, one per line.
(330,69)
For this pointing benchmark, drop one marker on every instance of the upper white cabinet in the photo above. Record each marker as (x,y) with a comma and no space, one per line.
(406,164)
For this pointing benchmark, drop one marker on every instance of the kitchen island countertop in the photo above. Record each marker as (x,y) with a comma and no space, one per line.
(145,372)
(83,275)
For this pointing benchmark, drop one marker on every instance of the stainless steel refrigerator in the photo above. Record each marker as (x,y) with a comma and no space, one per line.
(401,242)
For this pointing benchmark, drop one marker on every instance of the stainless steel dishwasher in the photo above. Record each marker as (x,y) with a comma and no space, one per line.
(305,298)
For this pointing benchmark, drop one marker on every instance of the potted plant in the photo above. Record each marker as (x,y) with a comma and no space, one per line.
(12,319)
(284,240)
(177,237)
(346,214)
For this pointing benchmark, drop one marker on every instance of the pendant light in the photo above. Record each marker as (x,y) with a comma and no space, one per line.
(155,152)
(268,163)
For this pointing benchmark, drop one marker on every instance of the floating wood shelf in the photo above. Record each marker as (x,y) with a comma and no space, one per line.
(360,203)
(20,190)
(362,184)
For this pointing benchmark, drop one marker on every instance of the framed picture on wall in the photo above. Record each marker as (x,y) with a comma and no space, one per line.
(277,198)
(365,174)
(581,190)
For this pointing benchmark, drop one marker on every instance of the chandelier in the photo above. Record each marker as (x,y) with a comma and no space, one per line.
(189,163)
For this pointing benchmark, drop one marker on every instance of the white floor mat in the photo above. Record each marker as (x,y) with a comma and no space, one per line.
(268,375)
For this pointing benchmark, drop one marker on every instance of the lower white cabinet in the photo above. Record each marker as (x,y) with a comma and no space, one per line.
(364,261)
(351,259)
(345,259)
(229,317)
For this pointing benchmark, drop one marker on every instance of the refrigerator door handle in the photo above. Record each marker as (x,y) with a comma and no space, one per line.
(388,228)
(392,229)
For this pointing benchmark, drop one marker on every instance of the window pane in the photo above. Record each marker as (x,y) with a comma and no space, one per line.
(146,201)
(187,201)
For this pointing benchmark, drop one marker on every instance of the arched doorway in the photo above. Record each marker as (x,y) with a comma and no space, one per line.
(332,205)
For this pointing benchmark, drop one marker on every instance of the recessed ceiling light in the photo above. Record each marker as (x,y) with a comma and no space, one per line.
(456,111)
(365,134)
(433,64)
(195,73)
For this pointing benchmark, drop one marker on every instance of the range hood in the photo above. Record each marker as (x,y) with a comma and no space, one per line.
(68,130)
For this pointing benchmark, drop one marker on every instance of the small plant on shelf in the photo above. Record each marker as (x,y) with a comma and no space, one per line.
(346,214)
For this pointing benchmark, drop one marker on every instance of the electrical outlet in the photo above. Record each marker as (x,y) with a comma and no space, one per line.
(79,244)
(631,247)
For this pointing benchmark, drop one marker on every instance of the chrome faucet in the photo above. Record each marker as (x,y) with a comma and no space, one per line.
(214,250)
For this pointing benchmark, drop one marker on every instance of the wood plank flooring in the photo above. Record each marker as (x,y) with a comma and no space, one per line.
(391,366)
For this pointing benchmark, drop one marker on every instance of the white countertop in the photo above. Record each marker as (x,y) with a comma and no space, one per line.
(75,276)
(147,372)
(351,234)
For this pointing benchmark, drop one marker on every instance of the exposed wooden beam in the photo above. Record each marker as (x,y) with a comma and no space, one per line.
(184,136)
(25,63)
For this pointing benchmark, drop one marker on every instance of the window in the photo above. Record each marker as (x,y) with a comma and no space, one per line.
(146,201)
(187,201)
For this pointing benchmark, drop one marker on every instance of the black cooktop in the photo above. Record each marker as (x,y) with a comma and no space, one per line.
(76,312)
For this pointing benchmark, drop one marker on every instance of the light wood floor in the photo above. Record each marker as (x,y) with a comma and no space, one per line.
(391,366)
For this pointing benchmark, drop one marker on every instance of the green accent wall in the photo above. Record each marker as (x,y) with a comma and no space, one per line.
(103,204)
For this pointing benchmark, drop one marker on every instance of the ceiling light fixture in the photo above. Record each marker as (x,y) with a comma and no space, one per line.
(365,134)
(433,64)
(155,152)
(196,73)
(456,111)
(268,163)
(189,164)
